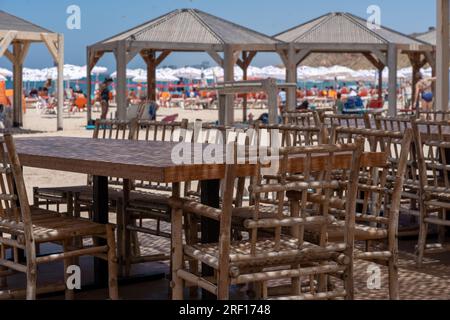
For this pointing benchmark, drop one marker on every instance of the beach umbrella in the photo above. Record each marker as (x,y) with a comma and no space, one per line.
(130,74)
(6,73)
(165,76)
(98,70)
(274,72)
(188,73)
(2,78)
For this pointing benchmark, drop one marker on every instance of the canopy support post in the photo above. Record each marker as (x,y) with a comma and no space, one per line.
(121,96)
(392,65)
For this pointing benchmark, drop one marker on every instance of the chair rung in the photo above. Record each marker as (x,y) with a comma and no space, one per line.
(380,255)
(153,258)
(4,170)
(317,296)
(294,273)
(8,197)
(438,222)
(20,294)
(70,254)
(149,231)
(11,243)
(196,280)
(14,266)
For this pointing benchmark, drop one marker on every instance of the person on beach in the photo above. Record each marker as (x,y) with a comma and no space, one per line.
(104,97)
(339,104)
(424,93)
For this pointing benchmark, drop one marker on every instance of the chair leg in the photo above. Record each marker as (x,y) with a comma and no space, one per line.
(112,263)
(69,294)
(76,206)
(348,278)
(120,235)
(31,281)
(393,278)
(69,200)
(177,253)
(223,288)
(422,243)
(35,197)
(127,248)
(3,279)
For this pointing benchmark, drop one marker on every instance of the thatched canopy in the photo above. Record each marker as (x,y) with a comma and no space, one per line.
(341,32)
(183,30)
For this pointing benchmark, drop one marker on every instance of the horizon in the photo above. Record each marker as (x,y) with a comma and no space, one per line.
(270,20)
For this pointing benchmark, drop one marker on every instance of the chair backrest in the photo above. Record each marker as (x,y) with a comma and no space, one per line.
(147,130)
(433,141)
(349,121)
(15,214)
(381,185)
(206,133)
(296,180)
(399,124)
(303,118)
(113,130)
(290,135)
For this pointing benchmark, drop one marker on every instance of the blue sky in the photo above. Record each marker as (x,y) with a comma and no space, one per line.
(103,18)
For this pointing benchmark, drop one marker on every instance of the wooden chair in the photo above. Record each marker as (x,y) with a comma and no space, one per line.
(148,201)
(282,136)
(411,186)
(22,228)
(379,193)
(104,129)
(275,248)
(433,143)
(206,133)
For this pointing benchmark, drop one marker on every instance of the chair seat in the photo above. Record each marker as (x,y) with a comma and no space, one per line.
(288,251)
(362,232)
(49,227)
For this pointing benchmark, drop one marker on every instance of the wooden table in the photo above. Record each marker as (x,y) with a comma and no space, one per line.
(140,160)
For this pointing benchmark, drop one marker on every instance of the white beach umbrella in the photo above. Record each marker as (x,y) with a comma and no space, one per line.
(2,78)
(98,70)
(165,76)
(188,73)
(140,79)
(6,73)
(70,72)
(274,72)
(130,74)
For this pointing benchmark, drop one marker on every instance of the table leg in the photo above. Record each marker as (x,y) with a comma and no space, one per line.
(101,211)
(210,195)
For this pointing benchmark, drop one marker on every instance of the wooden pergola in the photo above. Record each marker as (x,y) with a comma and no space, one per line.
(346,33)
(183,30)
(20,34)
